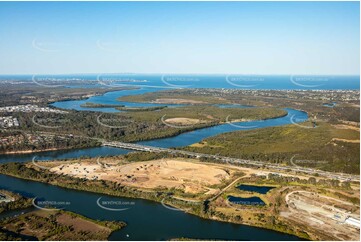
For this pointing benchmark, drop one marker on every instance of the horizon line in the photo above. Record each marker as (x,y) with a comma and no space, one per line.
(174,73)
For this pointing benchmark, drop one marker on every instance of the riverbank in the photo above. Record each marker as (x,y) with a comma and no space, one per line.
(60,102)
(110,188)
(179,138)
(208,116)
(175,133)
(95,92)
(12,201)
(40,151)
(169,224)
(275,214)
(140,126)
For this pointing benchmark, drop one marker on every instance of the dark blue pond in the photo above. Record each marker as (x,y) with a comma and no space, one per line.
(258,189)
(256,201)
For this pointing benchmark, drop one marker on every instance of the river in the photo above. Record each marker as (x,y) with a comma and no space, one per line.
(146,220)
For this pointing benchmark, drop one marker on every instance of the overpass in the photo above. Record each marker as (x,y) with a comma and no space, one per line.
(234,161)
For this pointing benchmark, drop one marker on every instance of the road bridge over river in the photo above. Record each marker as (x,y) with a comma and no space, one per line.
(234,161)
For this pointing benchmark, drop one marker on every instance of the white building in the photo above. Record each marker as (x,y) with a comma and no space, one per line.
(353,222)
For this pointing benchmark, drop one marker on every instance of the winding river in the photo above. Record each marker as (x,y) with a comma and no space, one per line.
(146,220)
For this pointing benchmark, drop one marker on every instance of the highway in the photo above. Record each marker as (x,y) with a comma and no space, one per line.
(235,161)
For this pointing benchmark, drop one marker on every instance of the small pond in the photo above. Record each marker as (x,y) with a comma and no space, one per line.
(258,189)
(256,201)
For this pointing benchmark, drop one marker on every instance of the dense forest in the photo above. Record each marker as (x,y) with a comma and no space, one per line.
(323,147)
(134,126)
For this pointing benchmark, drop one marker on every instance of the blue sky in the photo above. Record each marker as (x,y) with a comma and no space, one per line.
(180,37)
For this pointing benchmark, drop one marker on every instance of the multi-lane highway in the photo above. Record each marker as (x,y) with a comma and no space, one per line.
(235,161)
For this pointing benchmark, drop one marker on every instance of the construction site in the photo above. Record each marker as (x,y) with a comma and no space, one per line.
(338,218)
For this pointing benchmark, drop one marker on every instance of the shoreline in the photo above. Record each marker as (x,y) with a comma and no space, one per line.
(177,132)
(93,189)
(204,126)
(50,104)
(28,151)
(40,151)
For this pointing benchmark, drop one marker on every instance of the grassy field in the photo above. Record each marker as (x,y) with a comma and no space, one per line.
(326,147)
(173,97)
(58,225)
(209,113)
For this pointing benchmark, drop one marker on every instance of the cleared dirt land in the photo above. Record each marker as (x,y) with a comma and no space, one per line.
(190,177)
(311,207)
(184,121)
(323,213)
